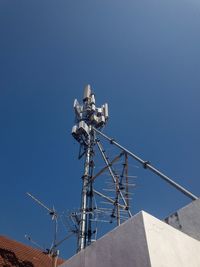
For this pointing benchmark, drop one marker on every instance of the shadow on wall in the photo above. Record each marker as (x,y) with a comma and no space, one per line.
(10,259)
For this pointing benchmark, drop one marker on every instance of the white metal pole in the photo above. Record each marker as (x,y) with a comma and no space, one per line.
(147,165)
(83,222)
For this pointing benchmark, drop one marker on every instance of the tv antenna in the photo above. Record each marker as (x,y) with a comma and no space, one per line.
(53,250)
(89,122)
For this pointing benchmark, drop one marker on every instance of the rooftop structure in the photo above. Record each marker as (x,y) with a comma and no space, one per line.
(145,241)
(187,219)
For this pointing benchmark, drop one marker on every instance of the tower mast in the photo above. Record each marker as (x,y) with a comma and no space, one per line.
(87,117)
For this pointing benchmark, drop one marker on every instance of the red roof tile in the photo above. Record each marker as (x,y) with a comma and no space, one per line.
(13,253)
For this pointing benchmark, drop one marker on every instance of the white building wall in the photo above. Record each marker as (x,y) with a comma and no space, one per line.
(168,247)
(142,241)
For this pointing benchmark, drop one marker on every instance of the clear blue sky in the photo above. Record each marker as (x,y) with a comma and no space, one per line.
(141,56)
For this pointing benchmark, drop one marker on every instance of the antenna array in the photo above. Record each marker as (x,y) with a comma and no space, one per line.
(87,118)
(109,204)
(89,122)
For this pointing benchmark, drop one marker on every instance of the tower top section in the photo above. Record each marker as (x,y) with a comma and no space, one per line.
(87,115)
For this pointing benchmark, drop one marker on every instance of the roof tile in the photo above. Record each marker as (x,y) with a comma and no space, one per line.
(13,253)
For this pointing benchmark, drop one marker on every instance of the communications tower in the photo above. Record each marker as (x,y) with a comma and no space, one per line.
(89,121)
(87,117)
